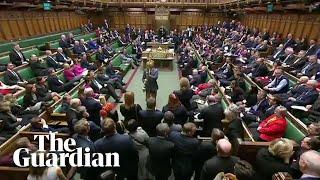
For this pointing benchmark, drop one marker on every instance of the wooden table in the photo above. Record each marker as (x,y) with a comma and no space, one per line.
(162,45)
(160,63)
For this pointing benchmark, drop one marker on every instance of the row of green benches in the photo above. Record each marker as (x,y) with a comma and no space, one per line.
(27,53)
(37,41)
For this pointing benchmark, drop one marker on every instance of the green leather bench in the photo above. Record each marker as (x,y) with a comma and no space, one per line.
(27,54)
(117,61)
(37,41)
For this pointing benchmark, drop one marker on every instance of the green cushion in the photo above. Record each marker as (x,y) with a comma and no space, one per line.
(86,37)
(27,73)
(4,59)
(292,132)
(20,100)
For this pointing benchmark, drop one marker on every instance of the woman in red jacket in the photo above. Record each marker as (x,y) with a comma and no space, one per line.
(274,126)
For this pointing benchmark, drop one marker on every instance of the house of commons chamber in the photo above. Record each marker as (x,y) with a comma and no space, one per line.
(159,89)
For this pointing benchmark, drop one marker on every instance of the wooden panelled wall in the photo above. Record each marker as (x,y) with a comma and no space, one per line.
(118,20)
(303,25)
(23,24)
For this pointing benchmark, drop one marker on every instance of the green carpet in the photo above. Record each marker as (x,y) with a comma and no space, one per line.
(168,81)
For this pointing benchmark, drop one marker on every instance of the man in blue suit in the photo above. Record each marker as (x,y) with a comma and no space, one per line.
(93,106)
(309,165)
(122,144)
(309,96)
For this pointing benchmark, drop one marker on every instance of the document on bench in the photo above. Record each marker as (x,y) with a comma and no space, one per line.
(302,108)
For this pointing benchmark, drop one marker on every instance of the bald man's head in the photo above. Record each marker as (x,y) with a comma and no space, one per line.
(224,147)
(309,163)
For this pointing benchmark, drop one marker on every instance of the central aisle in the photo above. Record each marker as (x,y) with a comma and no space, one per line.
(168,81)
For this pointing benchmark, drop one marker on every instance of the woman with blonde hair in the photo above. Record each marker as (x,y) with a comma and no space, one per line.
(275,159)
(129,109)
(149,78)
(185,93)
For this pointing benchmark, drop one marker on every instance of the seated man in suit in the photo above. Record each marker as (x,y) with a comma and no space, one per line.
(150,117)
(108,51)
(312,48)
(16,56)
(93,106)
(113,73)
(61,57)
(311,68)
(299,61)
(70,39)
(101,88)
(101,57)
(308,96)
(289,57)
(56,85)
(280,83)
(38,66)
(77,49)
(102,78)
(195,78)
(83,45)
(51,61)
(11,77)
(263,46)
(63,43)
(123,144)
(289,42)
(126,58)
(278,53)
(260,69)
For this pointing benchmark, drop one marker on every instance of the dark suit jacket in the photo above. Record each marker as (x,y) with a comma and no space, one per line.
(307,97)
(64,44)
(267,164)
(312,70)
(289,59)
(60,58)
(15,58)
(77,50)
(53,63)
(185,97)
(39,69)
(205,151)
(93,108)
(289,43)
(128,154)
(149,119)
(83,142)
(160,154)
(218,164)
(10,79)
(212,116)
(180,114)
(54,84)
(234,130)
(312,50)
(310,178)
(184,153)
(298,63)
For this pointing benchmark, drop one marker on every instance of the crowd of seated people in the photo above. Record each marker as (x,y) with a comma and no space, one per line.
(156,144)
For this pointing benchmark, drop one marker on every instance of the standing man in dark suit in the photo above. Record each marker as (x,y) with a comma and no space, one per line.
(11,77)
(82,129)
(113,142)
(185,147)
(206,150)
(222,162)
(150,117)
(16,56)
(93,107)
(51,61)
(309,165)
(212,114)
(160,153)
